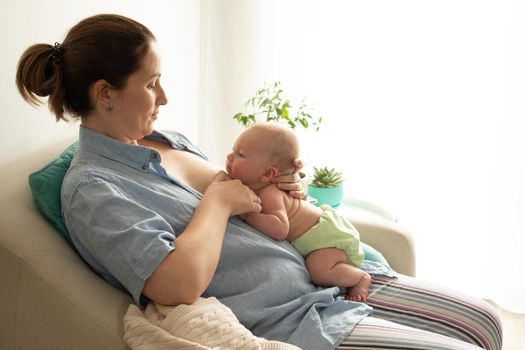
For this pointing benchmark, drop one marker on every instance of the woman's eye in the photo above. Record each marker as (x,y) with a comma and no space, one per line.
(152,85)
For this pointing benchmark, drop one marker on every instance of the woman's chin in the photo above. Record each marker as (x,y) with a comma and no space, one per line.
(148,130)
(151,120)
(151,123)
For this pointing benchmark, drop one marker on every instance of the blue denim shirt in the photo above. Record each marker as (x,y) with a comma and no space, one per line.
(124,212)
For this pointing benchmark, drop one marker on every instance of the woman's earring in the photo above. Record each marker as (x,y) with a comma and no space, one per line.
(109,107)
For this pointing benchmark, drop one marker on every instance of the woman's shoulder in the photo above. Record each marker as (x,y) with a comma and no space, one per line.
(87,169)
(82,174)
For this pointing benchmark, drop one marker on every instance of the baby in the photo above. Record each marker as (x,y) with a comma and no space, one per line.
(329,243)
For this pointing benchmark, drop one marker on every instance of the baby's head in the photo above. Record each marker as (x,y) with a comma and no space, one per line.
(262,152)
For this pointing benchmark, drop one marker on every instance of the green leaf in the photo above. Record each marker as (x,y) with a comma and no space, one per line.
(264,102)
(270,104)
(238,117)
(324,177)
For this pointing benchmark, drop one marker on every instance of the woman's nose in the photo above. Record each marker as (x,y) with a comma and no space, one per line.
(162,99)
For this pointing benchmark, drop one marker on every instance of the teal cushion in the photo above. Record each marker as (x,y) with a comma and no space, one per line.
(45,187)
(373,255)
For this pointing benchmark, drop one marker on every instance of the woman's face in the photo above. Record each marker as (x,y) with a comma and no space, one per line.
(135,107)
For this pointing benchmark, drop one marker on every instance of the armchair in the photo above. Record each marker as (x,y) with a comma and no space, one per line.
(52,300)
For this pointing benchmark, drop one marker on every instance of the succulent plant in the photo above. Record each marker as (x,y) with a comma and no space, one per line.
(326,178)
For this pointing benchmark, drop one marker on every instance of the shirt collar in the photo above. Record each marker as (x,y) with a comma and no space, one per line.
(135,156)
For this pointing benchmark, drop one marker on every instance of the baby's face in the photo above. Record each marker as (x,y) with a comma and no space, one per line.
(247,161)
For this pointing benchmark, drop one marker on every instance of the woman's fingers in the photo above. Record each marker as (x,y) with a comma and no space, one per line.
(299,194)
(291,183)
(234,194)
(292,178)
(221,176)
(257,207)
(298,164)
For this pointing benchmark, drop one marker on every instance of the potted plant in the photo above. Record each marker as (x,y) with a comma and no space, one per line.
(269,104)
(326,186)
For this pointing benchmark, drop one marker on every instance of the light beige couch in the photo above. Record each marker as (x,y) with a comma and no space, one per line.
(51,300)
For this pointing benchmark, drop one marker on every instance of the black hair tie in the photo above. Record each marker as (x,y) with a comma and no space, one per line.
(56,53)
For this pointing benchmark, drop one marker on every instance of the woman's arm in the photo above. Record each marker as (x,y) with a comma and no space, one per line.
(186,272)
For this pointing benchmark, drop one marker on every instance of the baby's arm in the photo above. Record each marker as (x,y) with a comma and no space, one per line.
(273,219)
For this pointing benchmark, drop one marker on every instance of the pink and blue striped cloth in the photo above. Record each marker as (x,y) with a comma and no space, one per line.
(411,314)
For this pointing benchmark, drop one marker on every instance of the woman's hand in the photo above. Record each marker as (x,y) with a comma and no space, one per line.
(193,263)
(234,195)
(291,183)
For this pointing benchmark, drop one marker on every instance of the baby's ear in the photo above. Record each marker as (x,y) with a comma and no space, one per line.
(270,173)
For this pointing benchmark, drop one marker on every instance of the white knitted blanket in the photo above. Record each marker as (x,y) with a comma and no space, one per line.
(206,324)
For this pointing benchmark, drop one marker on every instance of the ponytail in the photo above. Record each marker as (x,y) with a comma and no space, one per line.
(38,75)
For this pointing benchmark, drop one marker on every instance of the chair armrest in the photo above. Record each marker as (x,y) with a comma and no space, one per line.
(386,235)
(50,297)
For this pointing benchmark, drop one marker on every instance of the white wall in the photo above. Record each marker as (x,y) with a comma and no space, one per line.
(423,112)
(175,23)
(237,59)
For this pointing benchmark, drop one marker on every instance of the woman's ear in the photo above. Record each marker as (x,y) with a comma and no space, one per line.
(101,93)
(270,173)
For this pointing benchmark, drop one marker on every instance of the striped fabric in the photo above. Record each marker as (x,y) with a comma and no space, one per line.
(410,314)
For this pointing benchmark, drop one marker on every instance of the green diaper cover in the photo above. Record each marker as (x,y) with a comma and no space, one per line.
(332,231)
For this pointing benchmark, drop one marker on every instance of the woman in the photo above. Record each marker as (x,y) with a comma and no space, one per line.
(150,214)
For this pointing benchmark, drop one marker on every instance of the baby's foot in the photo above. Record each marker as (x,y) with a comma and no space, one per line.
(359,292)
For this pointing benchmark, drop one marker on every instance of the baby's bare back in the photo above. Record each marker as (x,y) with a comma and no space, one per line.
(302,215)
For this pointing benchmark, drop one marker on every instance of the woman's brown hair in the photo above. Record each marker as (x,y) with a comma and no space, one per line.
(105,46)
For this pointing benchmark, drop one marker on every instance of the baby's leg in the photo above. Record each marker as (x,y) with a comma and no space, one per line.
(328,267)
